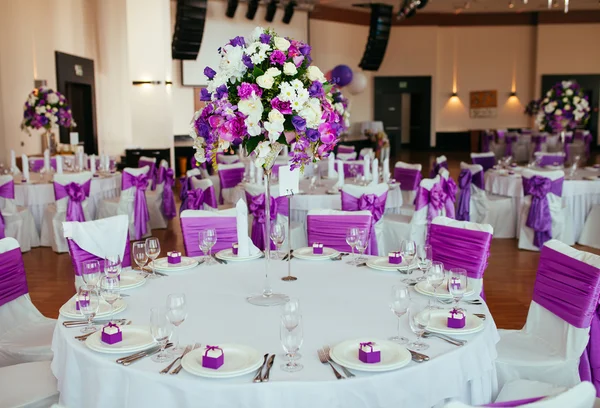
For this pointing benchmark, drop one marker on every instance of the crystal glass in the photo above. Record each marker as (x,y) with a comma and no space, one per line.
(207,239)
(176,313)
(91,272)
(153,251)
(409,250)
(89,302)
(424,260)
(112,265)
(362,243)
(418,317)
(110,291)
(351,238)
(291,341)
(435,277)
(457,284)
(277,236)
(139,255)
(161,330)
(291,316)
(574,166)
(399,303)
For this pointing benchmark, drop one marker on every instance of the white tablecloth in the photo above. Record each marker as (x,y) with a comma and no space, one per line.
(579,194)
(338,302)
(37,194)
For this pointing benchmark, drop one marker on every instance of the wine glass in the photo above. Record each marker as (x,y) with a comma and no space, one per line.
(88,301)
(419,316)
(153,251)
(176,313)
(424,260)
(400,301)
(91,272)
(278,236)
(112,265)
(207,239)
(457,284)
(290,316)
(291,341)
(161,330)
(110,291)
(435,277)
(139,255)
(574,166)
(351,238)
(362,243)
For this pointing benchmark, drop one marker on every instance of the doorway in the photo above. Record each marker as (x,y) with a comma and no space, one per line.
(80,98)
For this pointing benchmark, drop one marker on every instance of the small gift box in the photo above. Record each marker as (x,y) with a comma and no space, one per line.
(454,283)
(513,165)
(174,257)
(213,357)
(235,248)
(317,248)
(111,334)
(395,258)
(369,353)
(596,166)
(456,319)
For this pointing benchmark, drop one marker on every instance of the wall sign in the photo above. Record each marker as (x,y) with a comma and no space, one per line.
(483,104)
(78,70)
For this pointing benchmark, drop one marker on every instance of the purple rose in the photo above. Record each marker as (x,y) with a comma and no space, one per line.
(315,89)
(265,38)
(281,106)
(247,61)
(299,123)
(245,90)
(215,121)
(327,133)
(312,135)
(234,129)
(221,92)
(238,42)
(278,57)
(205,95)
(209,72)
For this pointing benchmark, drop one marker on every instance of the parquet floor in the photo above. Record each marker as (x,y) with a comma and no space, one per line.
(509,277)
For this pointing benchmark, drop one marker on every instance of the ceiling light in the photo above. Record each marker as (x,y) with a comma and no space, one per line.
(555,4)
(524,1)
(549,4)
(566,6)
(511,4)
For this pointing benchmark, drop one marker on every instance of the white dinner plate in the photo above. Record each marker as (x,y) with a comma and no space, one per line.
(238,360)
(592,168)
(382,263)
(333,191)
(307,253)
(69,309)
(592,178)
(438,323)
(135,338)
(162,264)
(425,288)
(552,167)
(227,255)
(393,355)
(131,279)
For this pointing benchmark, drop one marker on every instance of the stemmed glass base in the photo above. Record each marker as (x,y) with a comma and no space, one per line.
(161,357)
(274,299)
(152,275)
(89,329)
(289,278)
(295,357)
(399,339)
(418,346)
(291,366)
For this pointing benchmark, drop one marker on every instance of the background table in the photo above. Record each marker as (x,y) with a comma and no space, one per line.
(338,302)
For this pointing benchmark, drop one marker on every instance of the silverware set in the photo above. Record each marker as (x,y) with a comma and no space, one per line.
(179,359)
(222,262)
(268,363)
(140,355)
(325,358)
(79,323)
(448,339)
(290,255)
(475,302)
(84,337)
(149,272)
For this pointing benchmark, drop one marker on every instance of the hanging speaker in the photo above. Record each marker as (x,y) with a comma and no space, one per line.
(189,28)
(379,34)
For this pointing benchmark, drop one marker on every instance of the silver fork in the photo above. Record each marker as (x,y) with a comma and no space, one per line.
(327,351)
(324,360)
(179,367)
(168,368)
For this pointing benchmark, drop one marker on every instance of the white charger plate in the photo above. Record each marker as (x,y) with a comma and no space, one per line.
(131,279)
(393,355)
(239,360)
(135,338)
(426,289)
(438,323)
(69,309)
(382,264)
(307,254)
(162,264)
(227,255)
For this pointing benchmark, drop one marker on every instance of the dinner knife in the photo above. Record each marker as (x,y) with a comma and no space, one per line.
(139,353)
(258,376)
(269,365)
(145,354)
(418,357)
(219,260)
(77,323)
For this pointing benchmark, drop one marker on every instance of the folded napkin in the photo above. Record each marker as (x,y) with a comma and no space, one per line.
(25,165)
(93,163)
(331,166)
(59,165)
(367,167)
(386,170)
(375,172)
(80,161)
(13,163)
(245,245)
(47,159)
(102,238)
(340,182)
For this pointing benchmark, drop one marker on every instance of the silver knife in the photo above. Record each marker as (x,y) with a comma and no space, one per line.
(77,323)
(139,353)
(133,360)
(418,357)
(269,365)
(258,376)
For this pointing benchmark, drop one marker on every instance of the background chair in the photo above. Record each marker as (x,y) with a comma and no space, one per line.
(194,221)
(352,168)
(15,221)
(590,235)
(202,196)
(346,156)
(450,189)
(223,158)
(329,227)
(345,149)
(438,163)
(159,219)
(28,385)
(230,175)
(485,160)
(409,177)
(550,159)
(151,163)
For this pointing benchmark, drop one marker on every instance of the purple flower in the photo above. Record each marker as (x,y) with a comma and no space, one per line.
(205,95)
(315,89)
(298,60)
(265,38)
(221,91)
(233,129)
(312,135)
(327,133)
(209,72)
(278,57)
(245,90)
(299,124)
(305,49)
(247,61)
(281,106)
(238,42)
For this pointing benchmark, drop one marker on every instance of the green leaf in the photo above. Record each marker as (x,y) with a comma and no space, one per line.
(327,87)
(251,143)
(257,72)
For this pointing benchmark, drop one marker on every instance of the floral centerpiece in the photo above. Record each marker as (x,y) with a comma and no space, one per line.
(564,108)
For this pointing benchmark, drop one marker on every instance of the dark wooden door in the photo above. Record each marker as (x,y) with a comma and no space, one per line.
(80,98)
(388,108)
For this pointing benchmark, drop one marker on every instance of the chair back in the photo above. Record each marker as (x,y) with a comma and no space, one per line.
(486,160)
(345,149)
(538,141)
(185,181)
(37,163)
(255,198)
(194,221)
(230,175)
(367,151)
(223,158)
(471,185)
(71,192)
(201,196)
(164,186)
(346,156)
(449,187)
(550,159)
(329,226)
(161,175)
(7,195)
(133,190)
(151,163)
(438,163)
(408,175)
(352,168)
(13,282)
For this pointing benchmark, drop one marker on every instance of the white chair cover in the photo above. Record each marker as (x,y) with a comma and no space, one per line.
(18,221)
(590,235)
(30,385)
(347,156)
(203,184)
(154,199)
(229,192)
(522,147)
(408,196)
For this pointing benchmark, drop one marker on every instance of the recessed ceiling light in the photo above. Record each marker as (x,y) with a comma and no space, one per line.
(467,5)
(511,4)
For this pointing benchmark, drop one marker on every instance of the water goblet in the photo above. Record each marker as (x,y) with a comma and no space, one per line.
(291,341)
(208,238)
(277,236)
(176,313)
(399,303)
(290,316)
(362,243)
(91,272)
(88,301)
(435,277)
(419,316)
(110,291)
(112,265)
(457,284)
(351,238)
(140,256)
(153,251)
(161,330)
(424,260)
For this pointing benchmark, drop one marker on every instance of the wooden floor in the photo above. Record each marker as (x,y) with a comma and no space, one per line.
(509,277)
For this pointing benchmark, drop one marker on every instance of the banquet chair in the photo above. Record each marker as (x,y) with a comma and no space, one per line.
(345,149)
(538,143)
(438,163)
(487,141)
(366,151)
(71,194)
(329,227)
(28,385)
(553,345)
(132,202)
(201,196)
(543,215)
(161,204)
(462,244)
(476,205)
(450,189)
(553,143)
(579,146)
(550,159)
(486,160)
(409,177)
(25,334)
(223,158)
(590,235)
(510,144)
(186,183)
(230,175)
(347,156)
(194,221)
(15,221)
(352,168)
(95,240)
(151,163)
(37,163)
(522,148)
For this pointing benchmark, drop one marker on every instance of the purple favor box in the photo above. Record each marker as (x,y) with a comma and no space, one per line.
(234,248)
(317,248)
(174,257)
(111,334)
(456,319)
(369,353)
(213,357)
(395,258)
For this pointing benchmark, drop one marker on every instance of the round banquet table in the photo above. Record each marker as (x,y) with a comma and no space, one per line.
(37,194)
(338,302)
(579,194)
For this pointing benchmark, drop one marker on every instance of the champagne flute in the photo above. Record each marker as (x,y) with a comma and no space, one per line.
(435,277)
(176,313)
(112,265)
(161,330)
(91,272)
(418,318)
(278,236)
(351,238)
(291,341)
(400,301)
(362,243)
(139,255)
(290,317)
(424,260)
(110,291)
(88,301)
(457,284)
(208,238)
(153,251)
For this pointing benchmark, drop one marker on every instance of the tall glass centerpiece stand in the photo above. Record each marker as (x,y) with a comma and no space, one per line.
(268,297)
(289,277)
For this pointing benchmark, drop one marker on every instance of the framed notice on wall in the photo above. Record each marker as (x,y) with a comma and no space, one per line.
(483,104)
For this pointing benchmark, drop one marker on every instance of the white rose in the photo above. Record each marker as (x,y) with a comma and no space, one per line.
(569,92)
(567,107)
(557,112)
(565,100)
(315,74)
(567,84)
(549,108)
(251,107)
(273,72)
(281,43)
(252,126)
(265,81)
(289,68)
(576,99)
(549,93)
(263,149)
(546,100)
(276,116)
(52,99)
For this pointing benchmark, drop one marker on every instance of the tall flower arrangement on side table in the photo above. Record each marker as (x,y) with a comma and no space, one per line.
(564,108)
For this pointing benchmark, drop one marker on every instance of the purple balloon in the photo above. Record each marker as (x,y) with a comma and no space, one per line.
(341,75)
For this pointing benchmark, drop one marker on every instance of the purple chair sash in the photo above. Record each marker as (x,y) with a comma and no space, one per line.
(37,163)
(345,149)
(487,162)
(359,166)
(551,159)
(197,198)
(256,207)
(499,135)
(434,198)
(140,206)
(230,178)
(409,179)
(7,190)
(13,282)
(196,165)
(151,173)
(461,248)
(221,160)
(168,200)
(79,256)
(331,229)
(587,140)
(516,403)
(538,140)
(539,218)
(449,187)
(436,168)
(225,227)
(371,202)
(465,179)
(509,140)
(186,184)
(76,193)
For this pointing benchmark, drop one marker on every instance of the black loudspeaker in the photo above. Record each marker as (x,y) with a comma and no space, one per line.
(379,33)
(189,27)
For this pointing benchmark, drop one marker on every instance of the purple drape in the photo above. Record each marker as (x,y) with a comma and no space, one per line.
(13,282)
(168,200)
(487,138)
(79,256)
(449,187)
(37,163)
(409,179)
(256,208)
(230,178)
(197,198)
(140,206)
(487,162)
(509,140)
(7,190)
(464,197)
(330,230)
(372,203)
(221,159)
(551,159)
(461,248)
(152,172)
(539,218)
(225,227)
(436,168)
(433,198)
(76,193)
(538,140)
(345,149)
